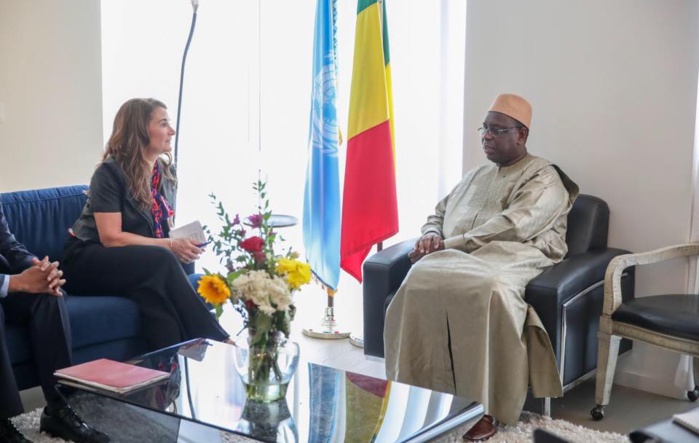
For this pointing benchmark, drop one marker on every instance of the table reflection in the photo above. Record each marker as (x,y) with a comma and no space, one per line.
(268,422)
(344,406)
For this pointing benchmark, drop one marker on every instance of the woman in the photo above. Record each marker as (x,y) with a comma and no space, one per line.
(121,245)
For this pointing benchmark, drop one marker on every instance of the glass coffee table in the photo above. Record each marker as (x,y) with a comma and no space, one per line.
(322,403)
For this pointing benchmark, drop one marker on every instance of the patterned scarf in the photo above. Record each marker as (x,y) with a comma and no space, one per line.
(160,208)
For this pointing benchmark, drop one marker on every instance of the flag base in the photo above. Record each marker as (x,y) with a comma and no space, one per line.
(357,339)
(328,328)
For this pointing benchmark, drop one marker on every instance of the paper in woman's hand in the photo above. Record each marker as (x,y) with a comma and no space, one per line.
(193,231)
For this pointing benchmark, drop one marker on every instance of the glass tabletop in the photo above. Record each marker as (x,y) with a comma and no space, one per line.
(322,403)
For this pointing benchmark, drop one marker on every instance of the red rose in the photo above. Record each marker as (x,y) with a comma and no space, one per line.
(252,244)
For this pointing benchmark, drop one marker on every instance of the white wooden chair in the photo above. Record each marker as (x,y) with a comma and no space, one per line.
(670,321)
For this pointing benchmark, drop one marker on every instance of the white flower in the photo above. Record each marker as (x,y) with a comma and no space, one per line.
(269,294)
(281,296)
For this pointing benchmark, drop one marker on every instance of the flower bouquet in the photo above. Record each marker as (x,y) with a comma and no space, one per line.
(260,284)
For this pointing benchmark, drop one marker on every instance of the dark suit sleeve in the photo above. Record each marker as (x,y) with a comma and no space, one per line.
(14,257)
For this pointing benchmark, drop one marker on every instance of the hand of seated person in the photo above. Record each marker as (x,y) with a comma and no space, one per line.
(43,277)
(426,244)
(185,250)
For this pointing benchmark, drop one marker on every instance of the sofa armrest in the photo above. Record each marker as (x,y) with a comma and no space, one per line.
(383,274)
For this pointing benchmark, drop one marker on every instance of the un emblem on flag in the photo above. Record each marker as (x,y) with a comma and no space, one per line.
(324,135)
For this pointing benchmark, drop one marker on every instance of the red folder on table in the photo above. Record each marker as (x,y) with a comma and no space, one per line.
(111,375)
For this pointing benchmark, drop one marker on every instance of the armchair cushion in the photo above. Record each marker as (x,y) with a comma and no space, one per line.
(675,314)
(101,319)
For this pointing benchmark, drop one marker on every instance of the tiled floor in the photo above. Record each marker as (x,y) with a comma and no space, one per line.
(629,408)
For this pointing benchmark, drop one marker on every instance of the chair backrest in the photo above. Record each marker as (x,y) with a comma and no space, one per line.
(40,218)
(588,225)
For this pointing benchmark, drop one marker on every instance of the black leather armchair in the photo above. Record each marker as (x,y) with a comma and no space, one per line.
(567,297)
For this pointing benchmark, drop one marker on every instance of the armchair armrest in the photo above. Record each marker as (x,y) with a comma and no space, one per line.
(547,292)
(383,274)
(612,279)
(392,263)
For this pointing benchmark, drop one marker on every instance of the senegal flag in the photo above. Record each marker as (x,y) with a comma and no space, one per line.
(369,206)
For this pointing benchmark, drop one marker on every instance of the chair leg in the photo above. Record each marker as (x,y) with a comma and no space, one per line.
(693,395)
(606,365)
(546,406)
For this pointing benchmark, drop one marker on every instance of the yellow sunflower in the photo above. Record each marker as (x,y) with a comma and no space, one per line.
(214,289)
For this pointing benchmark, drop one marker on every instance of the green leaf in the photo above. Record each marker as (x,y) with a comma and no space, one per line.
(262,324)
(218,309)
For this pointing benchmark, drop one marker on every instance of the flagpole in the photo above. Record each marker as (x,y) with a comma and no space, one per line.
(328,328)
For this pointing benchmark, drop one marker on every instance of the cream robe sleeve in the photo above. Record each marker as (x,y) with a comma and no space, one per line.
(535,207)
(436,221)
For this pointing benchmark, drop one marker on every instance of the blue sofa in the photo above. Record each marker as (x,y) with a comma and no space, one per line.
(101,326)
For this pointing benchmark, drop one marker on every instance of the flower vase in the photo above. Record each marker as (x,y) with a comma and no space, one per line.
(266,367)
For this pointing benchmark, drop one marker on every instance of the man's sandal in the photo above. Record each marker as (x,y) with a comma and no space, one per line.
(484,428)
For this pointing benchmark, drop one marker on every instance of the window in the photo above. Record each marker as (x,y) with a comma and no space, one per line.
(247,90)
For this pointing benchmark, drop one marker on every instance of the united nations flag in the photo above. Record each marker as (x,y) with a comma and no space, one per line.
(321,211)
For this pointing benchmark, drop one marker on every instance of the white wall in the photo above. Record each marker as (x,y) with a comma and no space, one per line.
(613,86)
(50,91)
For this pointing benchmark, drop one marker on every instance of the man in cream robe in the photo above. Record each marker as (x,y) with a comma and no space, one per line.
(459,322)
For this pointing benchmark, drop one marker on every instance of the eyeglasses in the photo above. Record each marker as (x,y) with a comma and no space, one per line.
(495,132)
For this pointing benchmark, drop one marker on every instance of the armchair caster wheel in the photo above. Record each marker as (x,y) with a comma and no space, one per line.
(597,413)
(693,395)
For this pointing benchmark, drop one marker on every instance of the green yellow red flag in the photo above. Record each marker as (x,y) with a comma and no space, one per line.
(369,206)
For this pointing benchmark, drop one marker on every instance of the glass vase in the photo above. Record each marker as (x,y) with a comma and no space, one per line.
(266,368)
